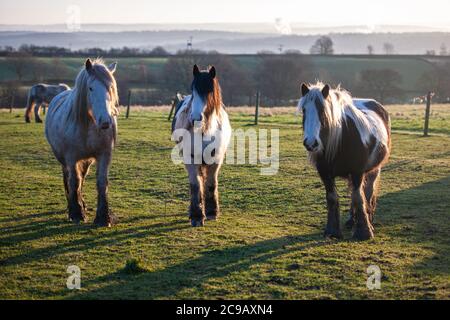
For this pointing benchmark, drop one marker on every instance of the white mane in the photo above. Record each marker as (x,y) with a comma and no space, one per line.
(337,107)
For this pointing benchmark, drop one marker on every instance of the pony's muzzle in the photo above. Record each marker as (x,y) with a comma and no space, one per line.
(105,125)
(311,146)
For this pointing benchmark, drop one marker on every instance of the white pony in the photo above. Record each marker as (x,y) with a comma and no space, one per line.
(81,128)
(203,131)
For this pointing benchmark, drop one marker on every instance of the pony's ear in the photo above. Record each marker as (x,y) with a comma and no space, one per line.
(88,64)
(212,72)
(112,67)
(196,70)
(326,91)
(305,89)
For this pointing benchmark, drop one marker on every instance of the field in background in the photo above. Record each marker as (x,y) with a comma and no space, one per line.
(344,68)
(268,242)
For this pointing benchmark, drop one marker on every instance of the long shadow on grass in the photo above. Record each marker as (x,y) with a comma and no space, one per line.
(421,212)
(88,238)
(424,218)
(28,217)
(166,283)
(58,225)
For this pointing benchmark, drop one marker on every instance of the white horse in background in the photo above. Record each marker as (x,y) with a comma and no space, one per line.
(40,95)
(202,115)
(81,128)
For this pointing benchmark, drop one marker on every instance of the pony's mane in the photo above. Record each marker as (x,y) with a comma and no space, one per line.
(337,107)
(213,95)
(80,107)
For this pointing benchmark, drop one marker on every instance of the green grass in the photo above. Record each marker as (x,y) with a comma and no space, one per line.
(267,244)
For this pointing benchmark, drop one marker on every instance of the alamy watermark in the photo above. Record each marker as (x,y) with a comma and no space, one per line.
(193,147)
(73,21)
(373,277)
(74,279)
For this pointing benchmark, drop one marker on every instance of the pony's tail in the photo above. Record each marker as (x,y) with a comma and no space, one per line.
(29,107)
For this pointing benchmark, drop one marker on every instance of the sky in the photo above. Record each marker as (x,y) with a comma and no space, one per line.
(433,13)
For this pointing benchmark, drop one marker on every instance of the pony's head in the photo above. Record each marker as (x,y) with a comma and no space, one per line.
(322,110)
(97,97)
(206,95)
(313,105)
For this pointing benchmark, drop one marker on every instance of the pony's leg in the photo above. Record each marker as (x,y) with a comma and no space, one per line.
(333,228)
(363,229)
(76,210)
(28,111)
(37,107)
(211,190)
(104,216)
(196,214)
(351,212)
(66,182)
(84,170)
(370,191)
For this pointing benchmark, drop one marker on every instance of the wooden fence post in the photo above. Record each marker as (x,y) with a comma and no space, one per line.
(174,104)
(427,115)
(258,97)
(128,105)
(12,102)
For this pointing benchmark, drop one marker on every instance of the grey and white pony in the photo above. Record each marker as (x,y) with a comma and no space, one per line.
(203,131)
(40,95)
(81,128)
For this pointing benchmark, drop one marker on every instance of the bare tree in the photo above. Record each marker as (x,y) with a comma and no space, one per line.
(8,92)
(278,78)
(370,49)
(18,62)
(436,80)
(235,81)
(388,48)
(159,51)
(177,73)
(381,84)
(323,45)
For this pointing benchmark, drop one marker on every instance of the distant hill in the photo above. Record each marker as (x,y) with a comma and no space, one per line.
(229,41)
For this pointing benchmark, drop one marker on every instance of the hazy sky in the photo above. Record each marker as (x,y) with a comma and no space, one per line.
(336,12)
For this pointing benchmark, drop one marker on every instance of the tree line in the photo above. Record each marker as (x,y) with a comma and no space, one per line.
(276,77)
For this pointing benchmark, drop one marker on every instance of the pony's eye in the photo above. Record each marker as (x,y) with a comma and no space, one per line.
(90,89)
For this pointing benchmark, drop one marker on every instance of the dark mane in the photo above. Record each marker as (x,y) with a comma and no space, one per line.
(203,84)
(210,90)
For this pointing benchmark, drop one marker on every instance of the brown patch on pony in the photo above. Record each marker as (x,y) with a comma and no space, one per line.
(213,104)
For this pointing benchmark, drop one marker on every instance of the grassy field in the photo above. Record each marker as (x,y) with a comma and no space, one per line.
(268,242)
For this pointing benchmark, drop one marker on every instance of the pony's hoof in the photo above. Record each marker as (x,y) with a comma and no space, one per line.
(212,218)
(197,223)
(78,220)
(27,120)
(38,121)
(103,224)
(362,234)
(333,234)
(106,221)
